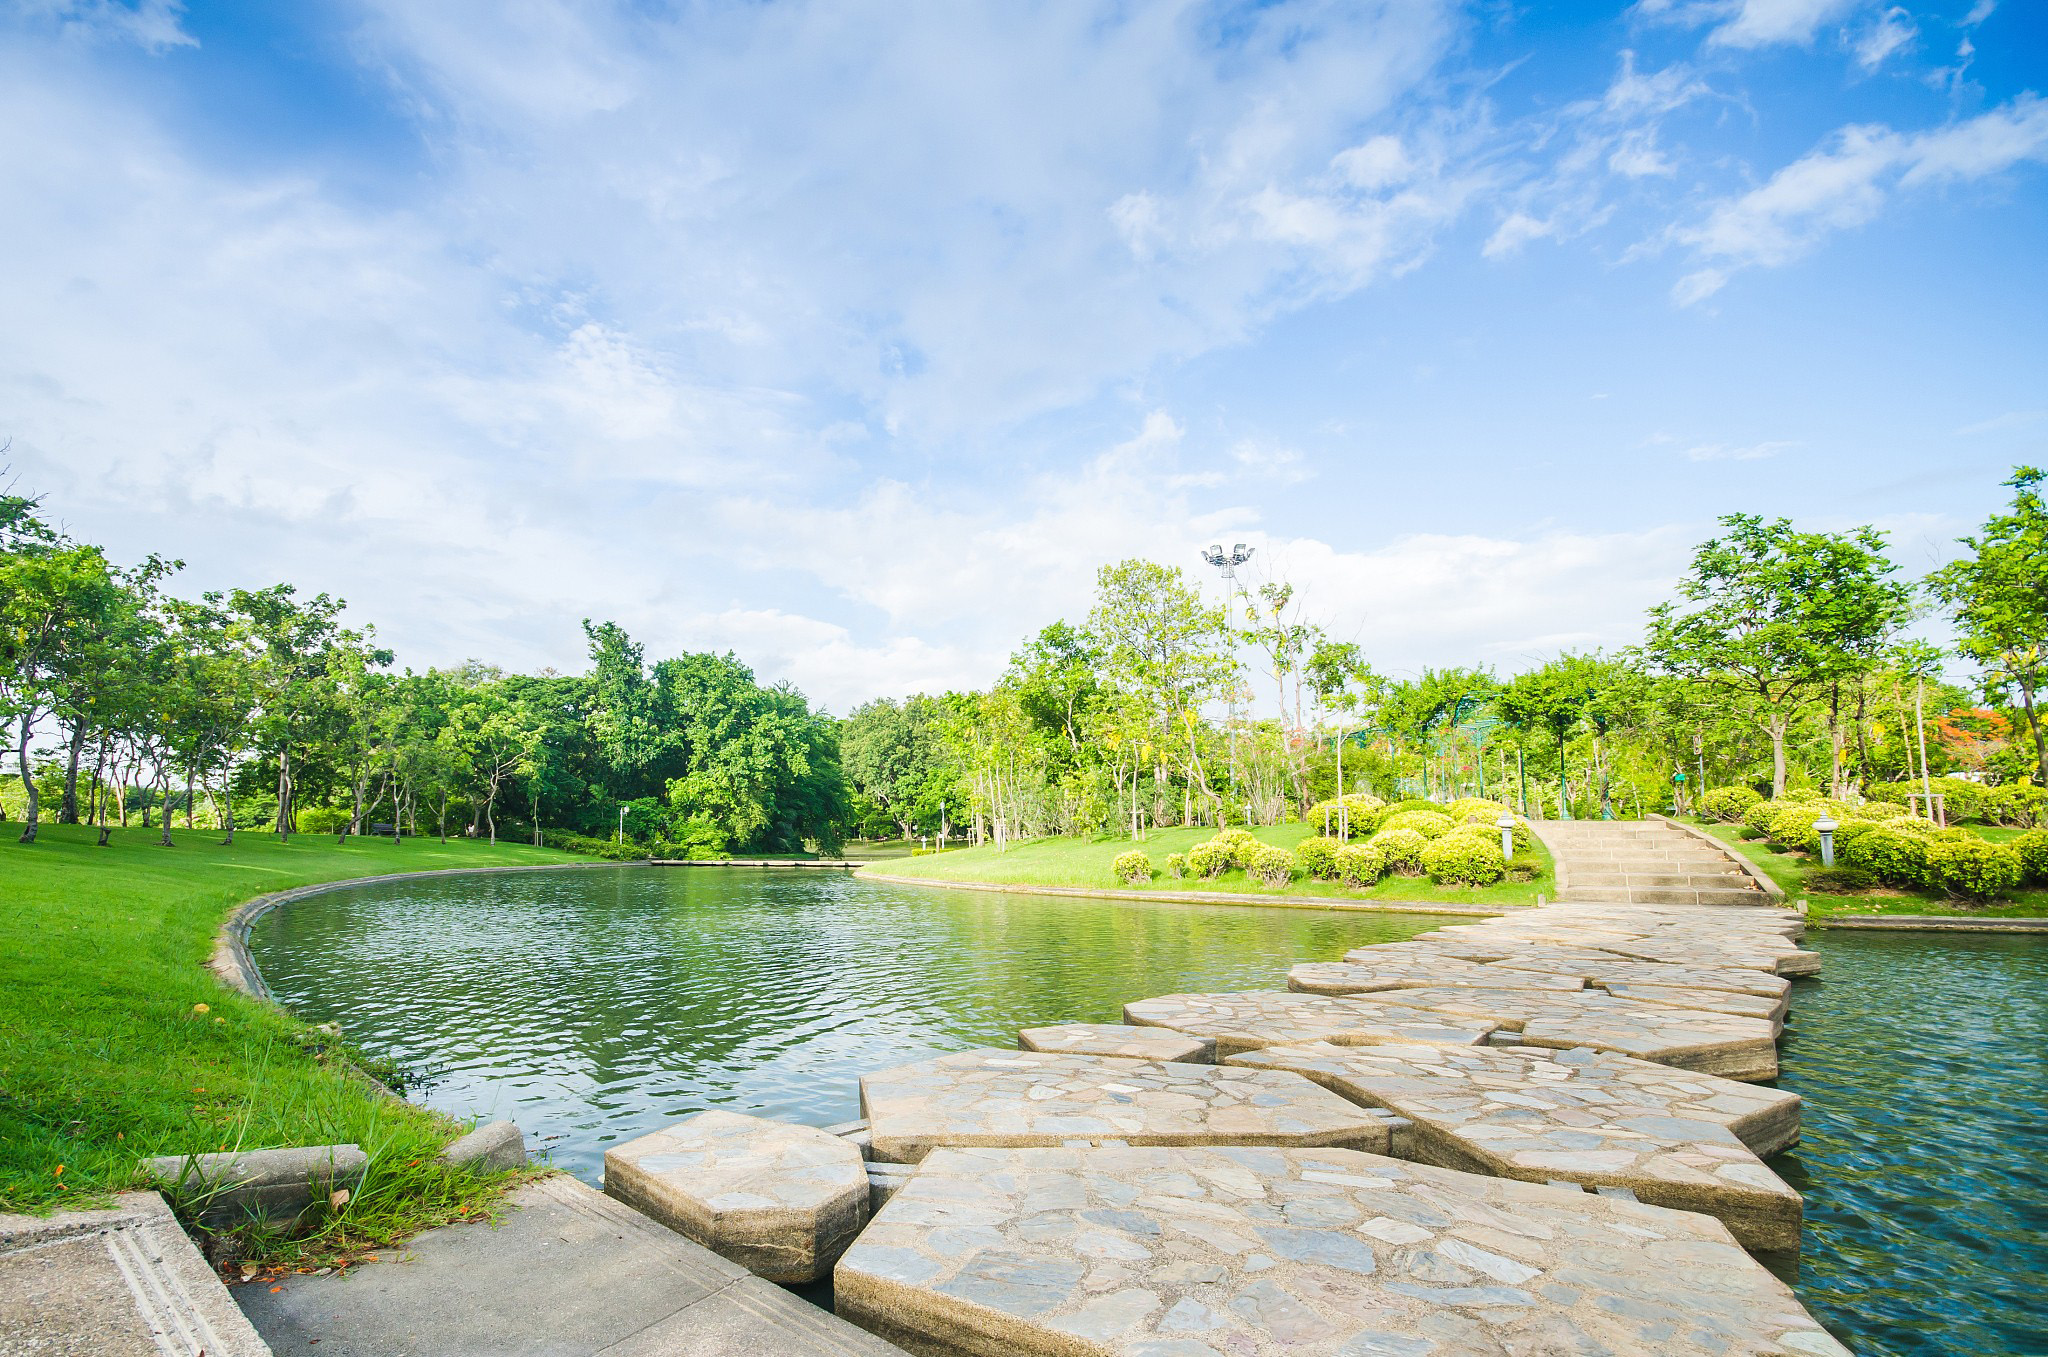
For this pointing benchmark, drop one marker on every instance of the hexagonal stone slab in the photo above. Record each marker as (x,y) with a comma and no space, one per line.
(1621,971)
(1748,954)
(1114,1039)
(1370,977)
(1249,1020)
(1011,1098)
(1142,1252)
(1673,1137)
(782,1201)
(1692,1039)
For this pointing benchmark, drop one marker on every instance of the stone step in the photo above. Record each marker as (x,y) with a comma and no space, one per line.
(1659,895)
(1682,880)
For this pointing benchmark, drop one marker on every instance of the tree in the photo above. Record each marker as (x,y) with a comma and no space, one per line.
(495,740)
(1998,595)
(1774,614)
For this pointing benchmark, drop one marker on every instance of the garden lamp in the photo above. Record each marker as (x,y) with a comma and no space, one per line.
(1825,826)
(1507,837)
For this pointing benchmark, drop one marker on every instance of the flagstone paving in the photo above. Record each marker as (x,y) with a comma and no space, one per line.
(1249,1020)
(1011,1098)
(1693,1039)
(1149,1252)
(1372,976)
(1674,1137)
(1621,971)
(780,1200)
(1771,1011)
(1114,1039)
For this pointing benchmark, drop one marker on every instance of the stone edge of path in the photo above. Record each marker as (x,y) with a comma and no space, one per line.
(1560,873)
(233,965)
(1931,923)
(1203,897)
(1755,873)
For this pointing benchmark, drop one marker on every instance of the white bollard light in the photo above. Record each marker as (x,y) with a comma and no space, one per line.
(1507,838)
(1825,826)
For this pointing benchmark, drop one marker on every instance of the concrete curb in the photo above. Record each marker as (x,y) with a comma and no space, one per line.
(1560,875)
(1755,873)
(234,966)
(1930,923)
(1204,897)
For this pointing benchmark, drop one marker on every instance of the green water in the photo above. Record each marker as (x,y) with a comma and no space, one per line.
(593,1006)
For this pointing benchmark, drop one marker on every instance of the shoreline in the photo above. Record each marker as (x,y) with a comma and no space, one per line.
(1201,897)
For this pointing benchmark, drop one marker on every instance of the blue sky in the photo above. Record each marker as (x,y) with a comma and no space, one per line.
(854,336)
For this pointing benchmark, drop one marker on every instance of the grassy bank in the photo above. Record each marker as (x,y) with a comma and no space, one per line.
(116,1042)
(1085,864)
(1789,871)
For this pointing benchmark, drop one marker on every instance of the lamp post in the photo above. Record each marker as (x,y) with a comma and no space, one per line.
(622,826)
(1825,826)
(1507,838)
(1239,553)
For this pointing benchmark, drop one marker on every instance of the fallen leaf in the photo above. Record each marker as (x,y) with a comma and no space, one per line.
(338,1198)
(201,1008)
(275,1289)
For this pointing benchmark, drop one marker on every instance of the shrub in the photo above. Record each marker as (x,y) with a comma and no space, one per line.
(2019,805)
(1839,880)
(1524,867)
(315,819)
(1133,867)
(1359,812)
(1176,865)
(1360,864)
(1758,817)
(1473,810)
(1413,803)
(1401,849)
(589,846)
(1317,858)
(1789,822)
(1430,824)
(1728,804)
(2033,850)
(1240,844)
(1890,854)
(1270,866)
(1971,868)
(1893,792)
(1880,810)
(1464,860)
(1963,800)
(1209,860)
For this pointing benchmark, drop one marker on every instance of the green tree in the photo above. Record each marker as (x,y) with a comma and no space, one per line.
(1998,595)
(1772,614)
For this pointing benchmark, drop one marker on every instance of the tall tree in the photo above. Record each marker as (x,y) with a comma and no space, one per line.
(1772,614)
(1998,595)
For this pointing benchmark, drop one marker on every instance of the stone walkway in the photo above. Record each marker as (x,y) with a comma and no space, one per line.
(1643,862)
(1308,1253)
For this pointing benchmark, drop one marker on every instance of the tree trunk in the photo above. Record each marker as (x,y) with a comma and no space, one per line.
(67,814)
(1776,728)
(28,782)
(227,806)
(2034,725)
(444,817)
(188,796)
(284,795)
(164,782)
(1835,788)
(1564,791)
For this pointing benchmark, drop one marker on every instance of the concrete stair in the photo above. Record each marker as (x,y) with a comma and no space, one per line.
(1643,863)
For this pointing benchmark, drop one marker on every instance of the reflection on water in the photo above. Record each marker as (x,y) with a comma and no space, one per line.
(594,1006)
(1923,1059)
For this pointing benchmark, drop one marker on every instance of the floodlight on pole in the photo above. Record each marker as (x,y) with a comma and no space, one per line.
(1228,564)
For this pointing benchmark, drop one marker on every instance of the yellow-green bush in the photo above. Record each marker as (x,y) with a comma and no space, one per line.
(2019,805)
(1317,858)
(1472,810)
(1729,804)
(1400,848)
(1972,868)
(1270,866)
(2033,850)
(1890,853)
(1176,865)
(1430,824)
(1134,867)
(1209,859)
(1360,864)
(1464,859)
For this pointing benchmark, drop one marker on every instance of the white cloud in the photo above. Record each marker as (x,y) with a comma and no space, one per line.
(1847,183)
(1376,163)
(1888,33)
(1764,23)
(153,25)
(1513,233)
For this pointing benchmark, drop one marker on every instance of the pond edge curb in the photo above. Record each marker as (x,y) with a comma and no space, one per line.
(1203,897)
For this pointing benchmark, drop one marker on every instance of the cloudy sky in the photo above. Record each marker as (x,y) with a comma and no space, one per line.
(853,336)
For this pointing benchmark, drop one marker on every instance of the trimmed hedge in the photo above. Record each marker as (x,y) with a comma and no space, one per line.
(1360,864)
(1176,865)
(1729,804)
(1270,866)
(1971,868)
(1400,848)
(1317,858)
(1133,867)
(1430,824)
(1464,859)
(2033,850)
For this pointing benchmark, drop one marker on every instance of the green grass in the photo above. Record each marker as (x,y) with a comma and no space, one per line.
(1789,871)
(106,1055)
(1085,864)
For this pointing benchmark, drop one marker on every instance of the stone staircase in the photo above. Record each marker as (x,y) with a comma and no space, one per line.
(1644,862)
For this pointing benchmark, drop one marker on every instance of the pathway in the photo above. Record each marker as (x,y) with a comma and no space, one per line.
(1643,862)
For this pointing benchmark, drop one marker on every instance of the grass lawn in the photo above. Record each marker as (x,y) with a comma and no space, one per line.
(107,1055)
(1789,871)
(1085,864)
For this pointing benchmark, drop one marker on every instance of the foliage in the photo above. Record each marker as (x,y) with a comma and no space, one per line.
(1270,866)
(1176,865)
(1728,804)
(1209,859)
(1892,854)
(1133,867)
(585,845)
(1998,597)
(1430,824)
(1839,880)
(1317,858)
(1969,868)
(2033,850)
(2017,805)
(1400,848)
(1464,859)
(1360,864)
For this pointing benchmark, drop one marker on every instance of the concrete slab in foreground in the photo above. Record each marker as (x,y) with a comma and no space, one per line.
(121,1283)
(568,1273)
(1144,1252)
(1248,1020)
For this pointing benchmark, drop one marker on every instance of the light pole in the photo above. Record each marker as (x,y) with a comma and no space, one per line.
(622,826)
(1228,564)
(1826,826)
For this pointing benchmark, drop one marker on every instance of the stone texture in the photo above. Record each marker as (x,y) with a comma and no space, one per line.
(271,1183)
(1146,1252)
(782,1201)
(1371,975)
(1012,1098)
(1115,1039)
(1620,971)
(492,1148)
(1673,1137)
(122,1282)
(1249,1020)
(1771,1011)
(1735,1047)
